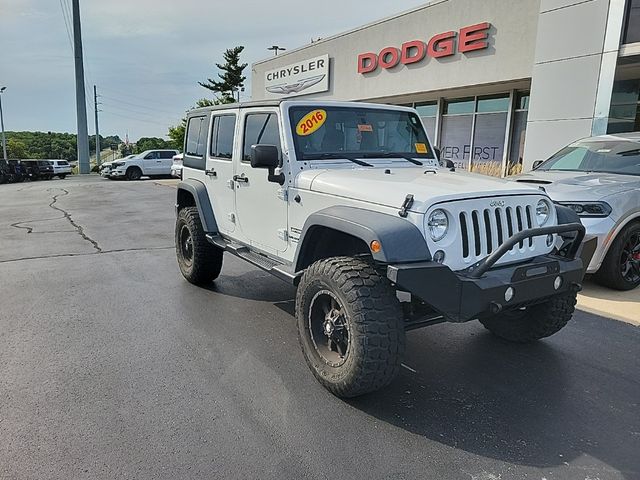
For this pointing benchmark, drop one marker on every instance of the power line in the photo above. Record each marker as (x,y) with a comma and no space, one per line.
(138,105)
(134,111)
(134,118)
(66,25)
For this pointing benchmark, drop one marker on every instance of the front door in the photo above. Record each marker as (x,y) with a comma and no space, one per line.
(151,163)
(260,206)
(219,173)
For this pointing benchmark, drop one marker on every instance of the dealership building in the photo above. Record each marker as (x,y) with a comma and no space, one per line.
(499,84)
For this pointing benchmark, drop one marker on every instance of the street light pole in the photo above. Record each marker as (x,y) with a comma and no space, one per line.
(4,140)
(276,49)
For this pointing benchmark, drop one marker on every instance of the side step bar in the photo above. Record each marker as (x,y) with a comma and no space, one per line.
(261,261)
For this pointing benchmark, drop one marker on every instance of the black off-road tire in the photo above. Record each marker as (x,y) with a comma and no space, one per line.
(535,322)
(610,272)
(133,173)
(205,262)
(62,176)
(373,318)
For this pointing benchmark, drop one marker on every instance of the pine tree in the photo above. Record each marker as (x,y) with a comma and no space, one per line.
(231,78)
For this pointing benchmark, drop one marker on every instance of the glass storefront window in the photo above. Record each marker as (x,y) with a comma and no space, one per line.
(516,149)
(632,22)
(459,106)
(493,103)
(455,140)
(488,143)
(522,100)
(428,112)
(624,113)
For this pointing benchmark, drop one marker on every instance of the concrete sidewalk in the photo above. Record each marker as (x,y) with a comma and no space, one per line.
(624,306)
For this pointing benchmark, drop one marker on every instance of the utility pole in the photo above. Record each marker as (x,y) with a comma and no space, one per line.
(4,140)
(95,108)
(81,108)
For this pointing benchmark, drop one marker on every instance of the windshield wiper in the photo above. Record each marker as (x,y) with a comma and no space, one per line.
(393,155)
(336,156)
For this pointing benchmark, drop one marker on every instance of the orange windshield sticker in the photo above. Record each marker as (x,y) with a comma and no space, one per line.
(365,128)
(421,148)
(311,122)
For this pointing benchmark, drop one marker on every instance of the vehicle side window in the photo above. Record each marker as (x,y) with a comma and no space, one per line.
(166,154)
(222,136)
(150,156)
(260,128)
(196,143)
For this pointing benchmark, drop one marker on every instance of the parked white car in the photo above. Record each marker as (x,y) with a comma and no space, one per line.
(61,168)
(150,163)
(105,167)
(599,178)
(176,168)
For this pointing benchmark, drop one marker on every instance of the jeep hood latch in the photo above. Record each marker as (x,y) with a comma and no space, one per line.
(406,205)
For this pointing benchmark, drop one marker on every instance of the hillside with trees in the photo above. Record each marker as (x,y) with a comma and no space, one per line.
(51,144)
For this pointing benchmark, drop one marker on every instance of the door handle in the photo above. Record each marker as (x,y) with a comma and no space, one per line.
(241,178)
(211,173)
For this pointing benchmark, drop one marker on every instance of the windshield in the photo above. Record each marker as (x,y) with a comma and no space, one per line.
(333,132)
(616,156)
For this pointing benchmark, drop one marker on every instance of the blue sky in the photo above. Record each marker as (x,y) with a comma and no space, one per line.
(146,56)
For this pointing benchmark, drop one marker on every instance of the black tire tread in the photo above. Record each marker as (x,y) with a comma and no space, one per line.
(537,322)
(609,275)
(377,321)
(207,258)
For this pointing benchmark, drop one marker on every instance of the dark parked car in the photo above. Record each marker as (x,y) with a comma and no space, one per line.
(38,169)
(15,171)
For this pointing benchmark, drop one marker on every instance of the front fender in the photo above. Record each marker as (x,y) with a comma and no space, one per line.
(402,241)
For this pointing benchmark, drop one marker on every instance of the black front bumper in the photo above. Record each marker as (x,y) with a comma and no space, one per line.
(480,291)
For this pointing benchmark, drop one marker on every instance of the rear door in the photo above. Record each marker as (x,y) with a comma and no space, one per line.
(194,161)
(220,184)
(166,160)
(260,206)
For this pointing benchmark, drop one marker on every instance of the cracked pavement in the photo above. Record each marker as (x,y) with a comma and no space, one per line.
(112,366)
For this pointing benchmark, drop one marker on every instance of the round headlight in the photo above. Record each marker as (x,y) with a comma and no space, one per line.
(543,211)
(438,224)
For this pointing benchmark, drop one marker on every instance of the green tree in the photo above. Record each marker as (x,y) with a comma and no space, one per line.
(150,143)
(231,77)
(16,149)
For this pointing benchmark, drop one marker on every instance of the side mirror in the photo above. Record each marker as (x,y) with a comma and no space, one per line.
(267,156)
(537,163)
(437,151)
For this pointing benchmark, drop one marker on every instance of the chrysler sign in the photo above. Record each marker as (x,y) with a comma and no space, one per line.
(468,39)
(301,78)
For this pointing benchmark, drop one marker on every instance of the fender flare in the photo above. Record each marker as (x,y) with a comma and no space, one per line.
(401,240)
(198,191)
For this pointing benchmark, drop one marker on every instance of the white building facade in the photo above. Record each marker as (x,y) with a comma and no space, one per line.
(499,84)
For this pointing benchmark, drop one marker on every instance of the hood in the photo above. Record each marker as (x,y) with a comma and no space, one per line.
(573,186)
(373,185)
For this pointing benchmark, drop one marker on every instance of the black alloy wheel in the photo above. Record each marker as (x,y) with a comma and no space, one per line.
(329,328)
(630,258)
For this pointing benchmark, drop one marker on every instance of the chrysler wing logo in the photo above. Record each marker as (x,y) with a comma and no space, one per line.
(287,88)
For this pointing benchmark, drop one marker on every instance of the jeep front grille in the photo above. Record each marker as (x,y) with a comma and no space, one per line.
(483,231)
(478,226)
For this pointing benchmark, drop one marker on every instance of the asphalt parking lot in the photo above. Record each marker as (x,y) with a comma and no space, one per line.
(112,366)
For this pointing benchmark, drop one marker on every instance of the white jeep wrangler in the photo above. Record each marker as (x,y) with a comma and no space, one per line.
(349,203)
